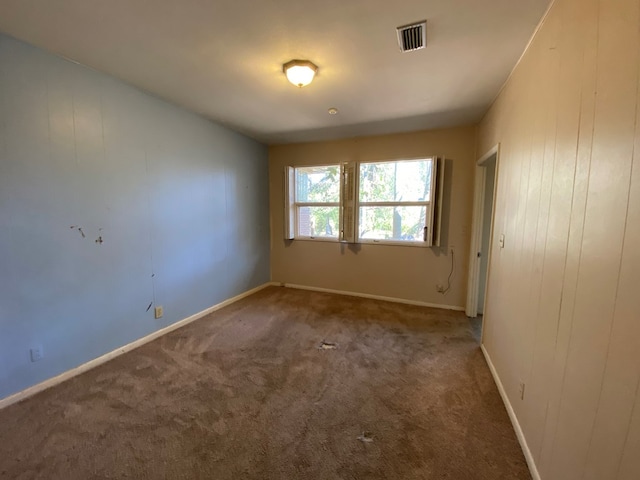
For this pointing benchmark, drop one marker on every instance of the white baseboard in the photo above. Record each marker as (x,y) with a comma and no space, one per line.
(512,415)
(39,387)
(374,297)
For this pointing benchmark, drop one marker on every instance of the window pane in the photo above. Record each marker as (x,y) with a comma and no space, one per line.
(392,223)
(318,184)
(403,181)
(318,221)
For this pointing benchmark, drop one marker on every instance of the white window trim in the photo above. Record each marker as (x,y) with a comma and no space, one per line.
(297,205)
(437,178)
(349,205)
(382,241)
(291,206)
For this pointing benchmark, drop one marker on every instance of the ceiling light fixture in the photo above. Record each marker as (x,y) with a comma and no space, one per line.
(300,72)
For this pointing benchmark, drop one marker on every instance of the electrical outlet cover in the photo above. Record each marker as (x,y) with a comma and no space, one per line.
(36,353)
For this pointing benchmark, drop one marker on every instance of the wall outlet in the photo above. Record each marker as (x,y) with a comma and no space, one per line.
(439,288)
(521,390)
(159,311)
(36,353)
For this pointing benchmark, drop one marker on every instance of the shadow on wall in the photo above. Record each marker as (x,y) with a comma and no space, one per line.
(446,209)
(353,247)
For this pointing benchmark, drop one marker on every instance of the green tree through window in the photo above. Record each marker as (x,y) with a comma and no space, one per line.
(318,200)
(393,199)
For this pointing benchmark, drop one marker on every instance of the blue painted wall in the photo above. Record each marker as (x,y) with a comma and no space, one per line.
(180,203)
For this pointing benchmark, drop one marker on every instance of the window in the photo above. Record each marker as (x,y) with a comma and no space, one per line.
(397,202)
(316,200)
(394,200)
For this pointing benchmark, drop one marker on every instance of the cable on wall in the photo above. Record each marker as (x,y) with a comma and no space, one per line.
(450,273)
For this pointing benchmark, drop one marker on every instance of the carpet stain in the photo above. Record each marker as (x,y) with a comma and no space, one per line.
(253,392)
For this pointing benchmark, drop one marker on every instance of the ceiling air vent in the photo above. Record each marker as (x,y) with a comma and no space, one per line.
(412,37)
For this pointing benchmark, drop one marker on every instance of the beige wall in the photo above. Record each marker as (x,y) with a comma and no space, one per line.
(409,273)
(563,312)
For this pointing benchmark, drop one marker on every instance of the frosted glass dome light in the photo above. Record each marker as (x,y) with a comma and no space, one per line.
(300,72)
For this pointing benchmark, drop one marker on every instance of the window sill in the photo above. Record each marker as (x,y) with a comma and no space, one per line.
(388,243)
(393,243)
(317,239)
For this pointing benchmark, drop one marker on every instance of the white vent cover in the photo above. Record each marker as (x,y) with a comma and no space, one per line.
(412,37)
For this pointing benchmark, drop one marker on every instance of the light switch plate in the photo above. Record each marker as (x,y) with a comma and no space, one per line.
(36,353)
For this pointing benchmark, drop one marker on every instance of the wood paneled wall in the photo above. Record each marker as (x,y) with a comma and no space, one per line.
(563,309)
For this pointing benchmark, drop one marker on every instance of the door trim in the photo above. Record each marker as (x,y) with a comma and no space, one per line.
(473,282)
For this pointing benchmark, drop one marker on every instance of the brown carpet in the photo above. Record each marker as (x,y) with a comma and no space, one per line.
(246,393)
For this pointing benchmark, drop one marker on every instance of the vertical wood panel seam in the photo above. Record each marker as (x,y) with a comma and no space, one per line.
(602,380)
(150,226)
(566,261)
(49,146)
(584,216)
(628,434)
(567,242)
(554,104)
(521,194)
(73,115)
(635,404)
(3,121)
(104,143)
(227,215)
(546,236)
(525,192)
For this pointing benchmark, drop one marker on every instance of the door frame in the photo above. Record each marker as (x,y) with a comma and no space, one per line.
(473,283)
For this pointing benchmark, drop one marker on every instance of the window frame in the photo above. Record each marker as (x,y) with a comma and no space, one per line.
(295,205)
(349,204)
(428,204)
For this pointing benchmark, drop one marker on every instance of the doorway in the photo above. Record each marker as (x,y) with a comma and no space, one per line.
(482,227)
(487,210)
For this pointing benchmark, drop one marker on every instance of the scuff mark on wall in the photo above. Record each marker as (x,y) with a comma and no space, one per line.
(79,229)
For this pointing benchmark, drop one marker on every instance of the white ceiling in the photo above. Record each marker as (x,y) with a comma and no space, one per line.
(223,58)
